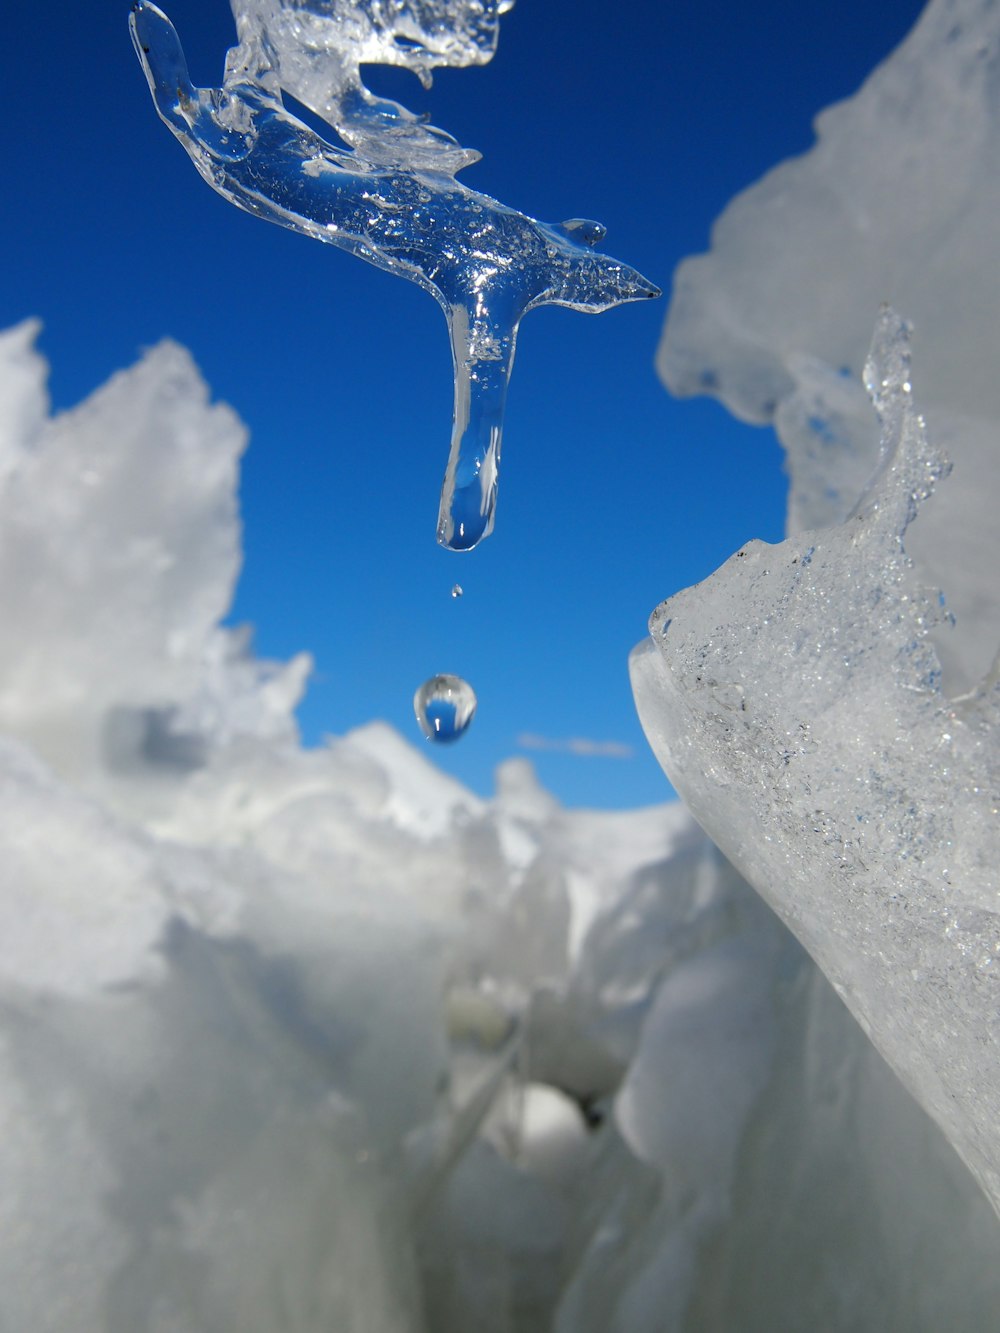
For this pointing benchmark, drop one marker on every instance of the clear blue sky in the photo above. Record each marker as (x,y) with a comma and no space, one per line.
(648,117)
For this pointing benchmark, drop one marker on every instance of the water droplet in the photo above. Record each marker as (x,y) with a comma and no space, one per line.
(444,705)
(457,590)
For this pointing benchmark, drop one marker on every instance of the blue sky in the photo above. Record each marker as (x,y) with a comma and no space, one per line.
(648,117)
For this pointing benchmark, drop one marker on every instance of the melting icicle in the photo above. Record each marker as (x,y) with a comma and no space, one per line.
(444,705)
(392,198)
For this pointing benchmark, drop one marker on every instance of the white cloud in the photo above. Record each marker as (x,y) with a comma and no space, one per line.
(579,745)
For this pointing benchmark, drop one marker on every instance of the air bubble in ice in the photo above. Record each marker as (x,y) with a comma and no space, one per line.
(444,705)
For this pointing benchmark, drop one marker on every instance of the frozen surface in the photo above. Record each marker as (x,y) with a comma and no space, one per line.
(382,186)
(796,699)
(897,202)
(293,1041)
(827,706)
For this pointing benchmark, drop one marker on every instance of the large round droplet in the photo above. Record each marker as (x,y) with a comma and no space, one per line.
(444,705)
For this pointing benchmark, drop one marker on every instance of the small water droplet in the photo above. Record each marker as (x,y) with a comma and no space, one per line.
(444,706)
(457,590)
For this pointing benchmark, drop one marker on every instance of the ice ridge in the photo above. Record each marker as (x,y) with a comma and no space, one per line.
(796,701)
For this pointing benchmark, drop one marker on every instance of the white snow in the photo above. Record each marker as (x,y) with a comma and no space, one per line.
(297,1040)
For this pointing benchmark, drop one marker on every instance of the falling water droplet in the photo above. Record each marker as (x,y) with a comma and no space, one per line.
(444,705)
(456,590)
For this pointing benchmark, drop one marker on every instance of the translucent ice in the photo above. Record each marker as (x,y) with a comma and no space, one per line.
(391,196)
(897,202)
(796,700)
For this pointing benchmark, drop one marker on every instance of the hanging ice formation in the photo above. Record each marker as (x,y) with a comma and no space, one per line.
(392,197)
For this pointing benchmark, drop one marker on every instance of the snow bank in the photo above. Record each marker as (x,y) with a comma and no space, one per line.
(896,203)
(294,1041)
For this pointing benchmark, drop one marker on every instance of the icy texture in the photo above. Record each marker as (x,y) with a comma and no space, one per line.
(795,699)
(391,196)
(897,202)
(298,1041)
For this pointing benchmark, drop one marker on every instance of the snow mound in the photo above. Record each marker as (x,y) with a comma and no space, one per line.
(896,203)
(298,1040)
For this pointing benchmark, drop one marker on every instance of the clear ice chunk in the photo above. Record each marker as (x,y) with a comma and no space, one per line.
(444,706)
(390,196)
(795,701)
